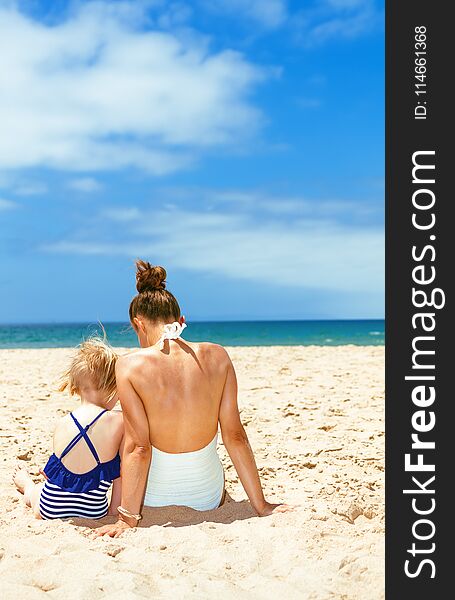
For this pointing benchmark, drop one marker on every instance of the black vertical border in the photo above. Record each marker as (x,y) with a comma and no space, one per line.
(404,136)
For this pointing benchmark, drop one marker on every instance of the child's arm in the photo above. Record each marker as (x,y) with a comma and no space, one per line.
(116,496)
(41,471)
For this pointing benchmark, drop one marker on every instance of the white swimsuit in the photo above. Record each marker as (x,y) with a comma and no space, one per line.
(193,479)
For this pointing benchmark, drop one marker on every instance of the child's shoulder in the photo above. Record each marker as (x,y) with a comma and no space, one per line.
(115,416)
(116,412)
(63,420)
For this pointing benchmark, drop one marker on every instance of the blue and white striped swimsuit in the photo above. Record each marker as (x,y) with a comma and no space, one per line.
(55,503)
(66,494)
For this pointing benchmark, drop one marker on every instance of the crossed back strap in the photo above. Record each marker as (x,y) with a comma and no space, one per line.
(83,434)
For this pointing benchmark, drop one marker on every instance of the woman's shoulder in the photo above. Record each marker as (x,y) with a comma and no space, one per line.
(214,353)
(133,359)
(211,348)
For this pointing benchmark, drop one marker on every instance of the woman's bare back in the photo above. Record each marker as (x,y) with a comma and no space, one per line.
(181,388)
(173,398)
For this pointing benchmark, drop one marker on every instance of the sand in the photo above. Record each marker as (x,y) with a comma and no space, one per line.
(315,419)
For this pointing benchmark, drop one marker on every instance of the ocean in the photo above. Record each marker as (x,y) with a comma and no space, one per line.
(226,333)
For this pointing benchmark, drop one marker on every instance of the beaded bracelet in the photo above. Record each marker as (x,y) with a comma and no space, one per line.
(126,513)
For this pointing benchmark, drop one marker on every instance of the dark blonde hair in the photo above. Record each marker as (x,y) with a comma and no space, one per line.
(153,301)
(95,360)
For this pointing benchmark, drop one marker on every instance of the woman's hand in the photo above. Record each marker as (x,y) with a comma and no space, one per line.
(114,531)
(270,509)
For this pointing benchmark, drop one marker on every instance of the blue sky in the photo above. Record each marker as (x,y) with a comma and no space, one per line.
(237,142)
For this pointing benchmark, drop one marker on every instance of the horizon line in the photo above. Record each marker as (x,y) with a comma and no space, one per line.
(97,322)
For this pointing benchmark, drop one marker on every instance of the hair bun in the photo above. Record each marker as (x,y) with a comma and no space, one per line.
(149,277)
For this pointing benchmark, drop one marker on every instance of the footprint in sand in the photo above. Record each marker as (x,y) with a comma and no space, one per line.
(113,550)
(25,455)
(327,427)
(354,510)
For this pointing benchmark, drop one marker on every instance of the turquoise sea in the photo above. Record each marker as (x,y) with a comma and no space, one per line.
(227,333)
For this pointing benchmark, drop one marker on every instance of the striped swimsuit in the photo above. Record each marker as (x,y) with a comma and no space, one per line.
(66,494)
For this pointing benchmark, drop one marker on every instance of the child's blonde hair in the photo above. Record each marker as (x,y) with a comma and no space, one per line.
(95,360)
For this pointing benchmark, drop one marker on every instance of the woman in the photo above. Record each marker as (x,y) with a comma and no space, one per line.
(173,395)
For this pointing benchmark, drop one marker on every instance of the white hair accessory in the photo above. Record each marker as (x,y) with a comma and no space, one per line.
(171,331)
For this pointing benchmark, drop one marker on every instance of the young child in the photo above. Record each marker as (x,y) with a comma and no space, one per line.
(86,458)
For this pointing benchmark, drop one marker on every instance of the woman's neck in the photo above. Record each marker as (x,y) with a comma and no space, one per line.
(153,333)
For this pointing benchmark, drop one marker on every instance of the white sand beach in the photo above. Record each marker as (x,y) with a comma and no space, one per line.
(315,419)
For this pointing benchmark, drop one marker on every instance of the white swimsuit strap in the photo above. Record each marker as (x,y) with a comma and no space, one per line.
(171,331)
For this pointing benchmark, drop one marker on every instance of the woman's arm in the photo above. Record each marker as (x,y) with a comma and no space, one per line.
(137,449)
(239,449)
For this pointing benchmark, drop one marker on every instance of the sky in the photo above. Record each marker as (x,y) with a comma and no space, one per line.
(238,143)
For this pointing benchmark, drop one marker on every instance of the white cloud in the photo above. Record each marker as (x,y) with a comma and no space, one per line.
(256,200)
(7,204)
(85,184)
(267,13)
(174,14)
(98,91)
(30,188)
(316,22)
(123,214)
(305,251)
(327,20)
(20,186)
